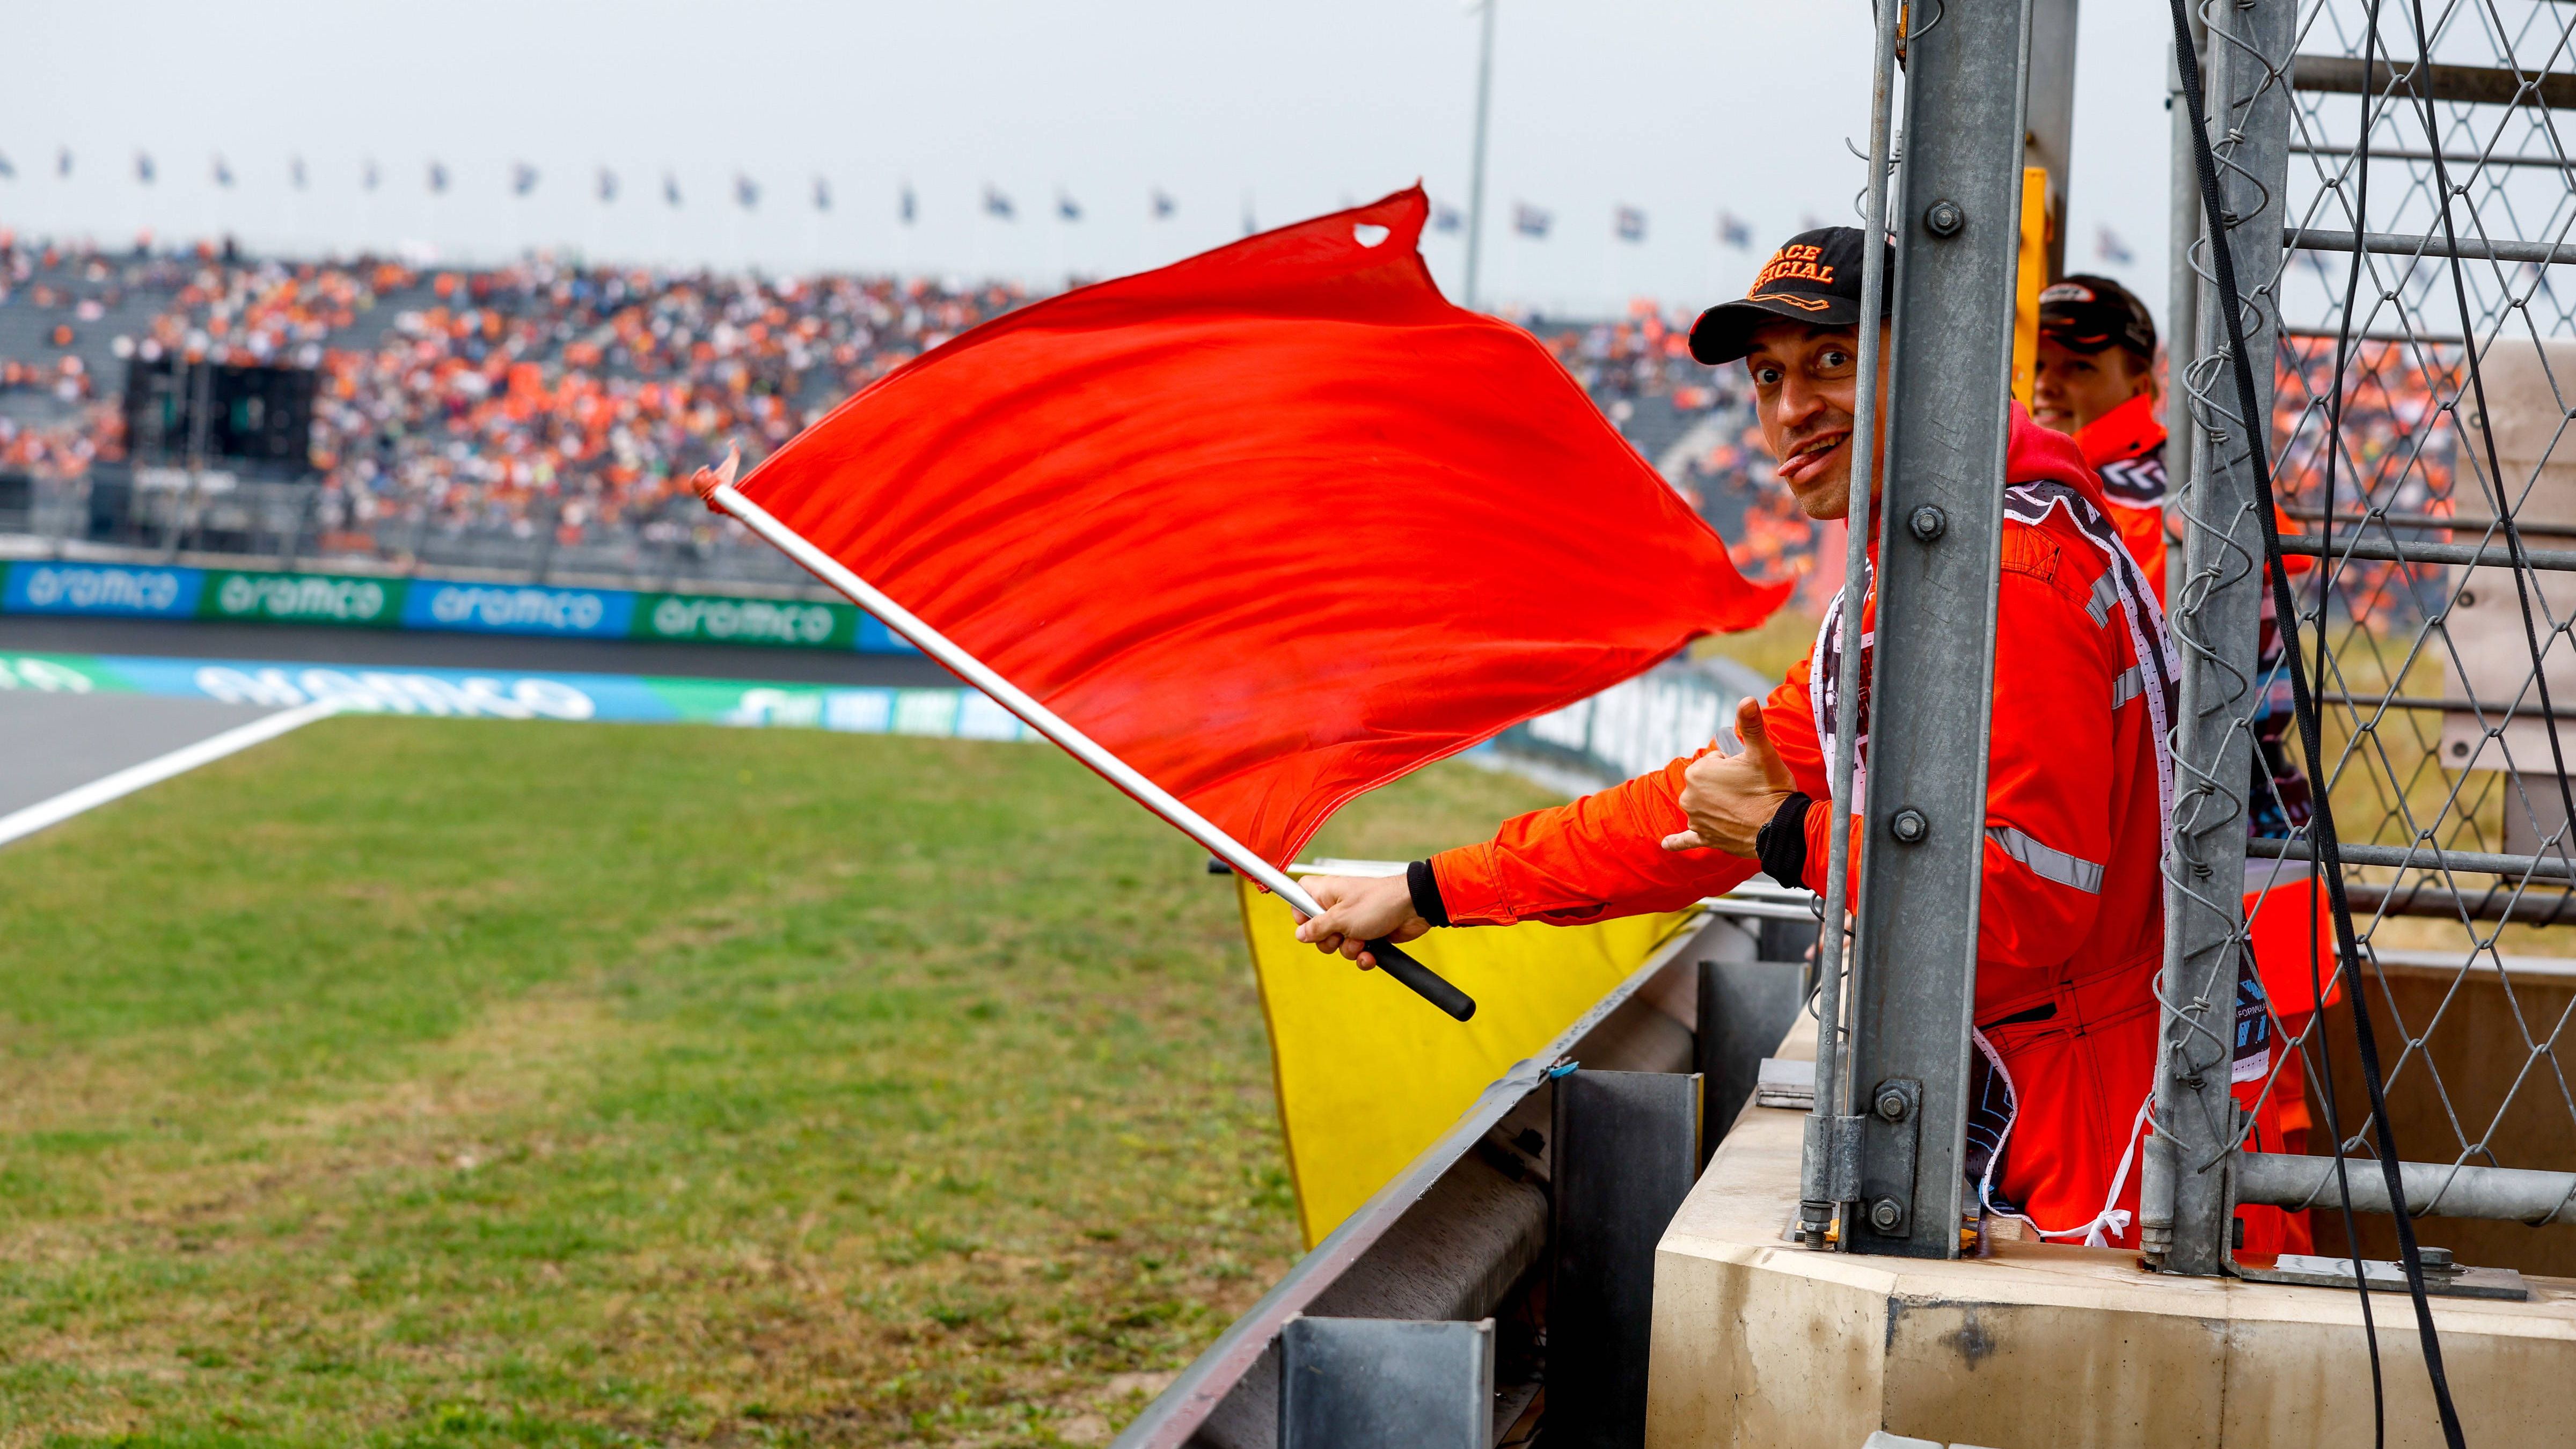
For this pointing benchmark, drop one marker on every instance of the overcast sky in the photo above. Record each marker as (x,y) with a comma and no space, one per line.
(1682,108)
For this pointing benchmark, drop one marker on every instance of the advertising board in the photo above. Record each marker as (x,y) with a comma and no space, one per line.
(302,599)
(518,609)
(446,605)
(132,591)
(948,712)
(716,619)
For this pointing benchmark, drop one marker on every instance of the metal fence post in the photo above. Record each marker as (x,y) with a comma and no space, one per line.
(2182,286)
(2217,607)
(1948,392)
(2049,122)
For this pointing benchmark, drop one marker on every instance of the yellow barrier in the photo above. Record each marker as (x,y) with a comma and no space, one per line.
(1369,1075)
(2030,280)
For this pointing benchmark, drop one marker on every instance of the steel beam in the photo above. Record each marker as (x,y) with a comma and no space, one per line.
(2466,160)
(2426,248)
(2216,596)
(2485,85)
(1626,1153)
(2433,1189)
(2453,523)
(2403,550)
(2542,906)
(2048,125)
(1745,1008)
(1385,1383)
(1932,673)
(2427,856)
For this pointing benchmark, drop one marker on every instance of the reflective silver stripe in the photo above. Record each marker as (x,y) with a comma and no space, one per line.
(2106,594)
(2131,683)
(2046,863)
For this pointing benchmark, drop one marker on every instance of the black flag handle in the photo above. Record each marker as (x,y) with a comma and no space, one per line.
(1421,980)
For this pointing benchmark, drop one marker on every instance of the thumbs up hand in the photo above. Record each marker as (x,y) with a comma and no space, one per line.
(1730,797)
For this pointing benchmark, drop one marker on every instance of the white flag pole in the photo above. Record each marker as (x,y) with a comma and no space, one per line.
(717,489)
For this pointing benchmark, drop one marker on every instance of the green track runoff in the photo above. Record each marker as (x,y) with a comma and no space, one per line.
(452,1082)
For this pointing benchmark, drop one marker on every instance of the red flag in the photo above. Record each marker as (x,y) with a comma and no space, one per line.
(1274,525)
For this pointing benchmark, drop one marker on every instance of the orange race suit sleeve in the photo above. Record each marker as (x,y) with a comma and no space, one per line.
(2049,780)
(1603,855)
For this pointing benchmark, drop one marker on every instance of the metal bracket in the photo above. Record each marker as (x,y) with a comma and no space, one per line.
(1828,1173)
(1891,1137)
(2442,1277)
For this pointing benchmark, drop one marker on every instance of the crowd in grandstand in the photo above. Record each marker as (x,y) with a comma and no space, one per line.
(533,395)
(549,395)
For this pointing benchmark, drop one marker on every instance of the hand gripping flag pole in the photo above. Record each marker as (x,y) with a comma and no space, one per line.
(716,487)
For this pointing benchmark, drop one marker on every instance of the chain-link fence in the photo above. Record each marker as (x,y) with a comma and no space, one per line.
(2397,195)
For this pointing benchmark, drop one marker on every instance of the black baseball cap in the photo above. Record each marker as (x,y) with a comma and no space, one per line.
(2094,314)
(1813,278)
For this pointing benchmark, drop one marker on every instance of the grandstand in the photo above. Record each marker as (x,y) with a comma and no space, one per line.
(533,418)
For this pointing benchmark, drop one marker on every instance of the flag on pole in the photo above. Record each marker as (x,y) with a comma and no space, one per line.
(1629,223)
(1445,218)
(437,179)
(143,170)
(63,162)
(822,194)
(996,204)
(295,171)
(1273,525)
(607,186)
(1734,230)
(368,177)
(1067,208)
(2108,246)
(1532,221)
(523,178)
(7,171)
(671,189)
(907,207)
(746,190)
(223,174)
(1164,206)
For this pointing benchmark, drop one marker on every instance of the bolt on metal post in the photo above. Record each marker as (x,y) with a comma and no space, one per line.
(1949,394)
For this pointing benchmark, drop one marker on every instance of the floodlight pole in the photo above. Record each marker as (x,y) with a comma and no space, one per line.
(1476,173)
(724,497)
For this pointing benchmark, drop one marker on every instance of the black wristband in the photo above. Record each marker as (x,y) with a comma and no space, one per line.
(1781,844)
(1426,893)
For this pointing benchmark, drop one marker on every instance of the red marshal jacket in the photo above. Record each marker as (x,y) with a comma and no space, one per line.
(2071,925)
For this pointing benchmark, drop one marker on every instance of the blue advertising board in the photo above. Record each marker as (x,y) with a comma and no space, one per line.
(156,591)
(132,591)
(519,609)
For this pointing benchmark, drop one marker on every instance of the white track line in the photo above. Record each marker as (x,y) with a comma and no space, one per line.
(153,771)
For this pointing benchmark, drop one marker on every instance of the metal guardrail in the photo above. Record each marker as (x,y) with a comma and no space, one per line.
(1464,1230)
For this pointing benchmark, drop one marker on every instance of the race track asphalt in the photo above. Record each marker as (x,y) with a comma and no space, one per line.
(55,742)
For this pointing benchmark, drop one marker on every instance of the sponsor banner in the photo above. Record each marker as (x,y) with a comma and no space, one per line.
(518,609)
(302,599)
(950,713)
(143,591)
(716,619)
(875,638)
(360,601)
(58,674)
(505,694)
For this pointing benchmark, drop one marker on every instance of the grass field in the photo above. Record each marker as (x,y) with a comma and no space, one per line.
(426,1082)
